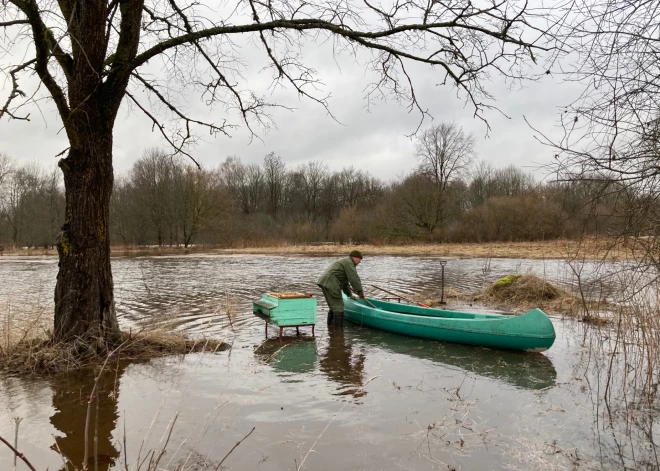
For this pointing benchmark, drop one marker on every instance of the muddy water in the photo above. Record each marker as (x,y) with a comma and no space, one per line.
(357,399)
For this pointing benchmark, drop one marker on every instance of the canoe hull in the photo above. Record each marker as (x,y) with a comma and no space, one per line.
(532,331)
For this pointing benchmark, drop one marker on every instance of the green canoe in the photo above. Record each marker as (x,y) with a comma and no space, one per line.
(532,331)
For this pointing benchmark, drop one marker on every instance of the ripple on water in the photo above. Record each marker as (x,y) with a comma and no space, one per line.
(362,399)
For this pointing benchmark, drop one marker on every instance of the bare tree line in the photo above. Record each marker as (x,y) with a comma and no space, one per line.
(448,196)
(31,204)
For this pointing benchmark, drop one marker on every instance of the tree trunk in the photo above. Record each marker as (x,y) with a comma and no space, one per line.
(84,302)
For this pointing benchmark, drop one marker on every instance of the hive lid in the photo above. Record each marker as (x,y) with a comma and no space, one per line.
(290,295)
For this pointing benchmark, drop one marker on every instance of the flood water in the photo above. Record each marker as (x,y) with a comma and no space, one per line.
(357,399)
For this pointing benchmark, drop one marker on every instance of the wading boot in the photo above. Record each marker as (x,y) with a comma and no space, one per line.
(331,316)
(338,320)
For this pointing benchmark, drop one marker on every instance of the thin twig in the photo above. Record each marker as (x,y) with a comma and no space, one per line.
(18,453)
(233,448)
(89,404)
(17,421)
(302,463)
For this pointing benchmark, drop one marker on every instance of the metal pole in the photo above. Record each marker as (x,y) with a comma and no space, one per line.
(442,296)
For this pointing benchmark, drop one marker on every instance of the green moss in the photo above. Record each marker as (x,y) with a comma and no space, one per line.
(505,281)
(64,243)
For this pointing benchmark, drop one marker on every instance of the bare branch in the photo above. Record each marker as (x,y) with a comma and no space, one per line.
(18,453)
(184,139)
(315,24)
(213,129)
(5,24)
(44,41)
(279,65)
(15,92)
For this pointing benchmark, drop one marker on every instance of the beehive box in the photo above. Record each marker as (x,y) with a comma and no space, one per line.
(287,309)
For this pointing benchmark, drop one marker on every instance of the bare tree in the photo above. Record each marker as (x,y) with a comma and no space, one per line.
(254,187)
(234,176)
(55,199)
(121,206)
(274,171)
(488,182)
(154,182)
(200,202)
(24,186)
(92,56)
(314,173)
(445,153)
(6,165)
(480,188)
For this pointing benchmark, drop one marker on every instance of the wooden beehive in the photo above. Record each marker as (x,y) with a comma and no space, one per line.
(287,309)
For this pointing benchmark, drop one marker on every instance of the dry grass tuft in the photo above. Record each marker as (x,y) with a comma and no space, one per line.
(524,289)
(524,292)
(39,356)
(520,293)
(27,347)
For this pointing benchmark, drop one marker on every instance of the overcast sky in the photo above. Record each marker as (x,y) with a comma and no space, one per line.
(374,140)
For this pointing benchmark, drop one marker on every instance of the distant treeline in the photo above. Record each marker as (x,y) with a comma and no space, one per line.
(167,200)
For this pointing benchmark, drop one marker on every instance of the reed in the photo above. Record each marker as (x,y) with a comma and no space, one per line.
(27,346)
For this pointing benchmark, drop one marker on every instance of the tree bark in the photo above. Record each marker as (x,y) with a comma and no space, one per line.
(84,302)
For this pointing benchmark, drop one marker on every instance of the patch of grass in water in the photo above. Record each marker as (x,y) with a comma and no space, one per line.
(505,281)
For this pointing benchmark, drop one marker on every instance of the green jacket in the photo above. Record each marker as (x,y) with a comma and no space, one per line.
(339,275)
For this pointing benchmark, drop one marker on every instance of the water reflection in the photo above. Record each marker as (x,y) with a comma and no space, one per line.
(343,364)
(523,370)
(297,355)
(70,396)
(343,359)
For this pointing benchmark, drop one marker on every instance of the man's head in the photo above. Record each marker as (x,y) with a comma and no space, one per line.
(356,255)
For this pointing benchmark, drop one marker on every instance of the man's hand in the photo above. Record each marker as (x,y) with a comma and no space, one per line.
(355,296)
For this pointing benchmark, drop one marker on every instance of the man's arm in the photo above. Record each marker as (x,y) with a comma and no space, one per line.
(354,280)
(346,290)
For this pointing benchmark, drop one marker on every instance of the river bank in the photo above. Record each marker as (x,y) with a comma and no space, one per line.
(589,249)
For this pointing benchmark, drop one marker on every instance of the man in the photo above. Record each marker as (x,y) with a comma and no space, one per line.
(337,278)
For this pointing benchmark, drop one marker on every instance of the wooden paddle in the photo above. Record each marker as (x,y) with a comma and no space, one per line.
(365,299)
(402,297)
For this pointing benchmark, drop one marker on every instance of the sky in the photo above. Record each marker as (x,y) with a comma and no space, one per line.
(374,140)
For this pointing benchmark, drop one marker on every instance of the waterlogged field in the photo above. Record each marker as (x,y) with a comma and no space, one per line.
(357,399)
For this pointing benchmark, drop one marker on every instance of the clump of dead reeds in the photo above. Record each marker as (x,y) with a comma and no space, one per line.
(523,289)
(27,346)
(524,292)
(44,356)
(520,293)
